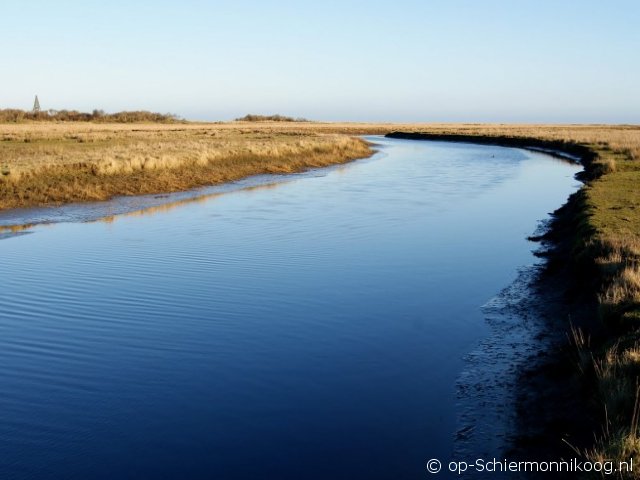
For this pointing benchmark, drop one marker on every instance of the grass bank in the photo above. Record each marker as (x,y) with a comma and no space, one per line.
(596,235)
(53,163)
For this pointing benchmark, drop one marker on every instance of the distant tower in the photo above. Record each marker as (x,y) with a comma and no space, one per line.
(36,105)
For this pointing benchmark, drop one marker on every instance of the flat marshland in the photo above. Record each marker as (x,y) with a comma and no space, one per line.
(56,162)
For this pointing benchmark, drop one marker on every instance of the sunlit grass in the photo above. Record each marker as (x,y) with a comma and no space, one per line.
(42,163)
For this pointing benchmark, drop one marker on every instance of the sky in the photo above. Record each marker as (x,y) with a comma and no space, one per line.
(536,61)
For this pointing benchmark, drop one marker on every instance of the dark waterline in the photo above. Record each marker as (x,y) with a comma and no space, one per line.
(312,329)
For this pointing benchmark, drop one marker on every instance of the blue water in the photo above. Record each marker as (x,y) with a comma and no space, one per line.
(312,329)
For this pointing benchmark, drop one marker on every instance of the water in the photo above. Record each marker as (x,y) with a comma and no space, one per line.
(310,329)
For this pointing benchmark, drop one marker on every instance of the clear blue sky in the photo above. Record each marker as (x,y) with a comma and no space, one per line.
(441,60)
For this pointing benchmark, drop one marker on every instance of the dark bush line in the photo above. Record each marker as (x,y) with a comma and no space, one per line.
(269,118)
(17,116)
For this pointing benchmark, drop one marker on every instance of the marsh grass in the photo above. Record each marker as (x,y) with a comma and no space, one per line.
(59,163)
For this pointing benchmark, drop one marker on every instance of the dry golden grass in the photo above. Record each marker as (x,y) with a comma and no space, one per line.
(44,163)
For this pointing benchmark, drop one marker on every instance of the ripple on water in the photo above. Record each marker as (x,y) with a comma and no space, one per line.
(253,330)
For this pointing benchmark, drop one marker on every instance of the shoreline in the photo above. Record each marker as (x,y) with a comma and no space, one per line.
(62,164)
(17,221)
(580,366)
(69,187)
(565,150)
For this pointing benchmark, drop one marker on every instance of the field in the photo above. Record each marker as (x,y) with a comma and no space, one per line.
(49,163)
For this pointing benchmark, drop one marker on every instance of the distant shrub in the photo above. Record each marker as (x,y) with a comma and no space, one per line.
(269,118)
(16,116)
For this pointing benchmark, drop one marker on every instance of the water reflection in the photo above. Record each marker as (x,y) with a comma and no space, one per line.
(167,207)
(96,211)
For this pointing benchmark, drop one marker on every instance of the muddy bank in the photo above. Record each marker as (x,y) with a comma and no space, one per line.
(564,149)
(548,407)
